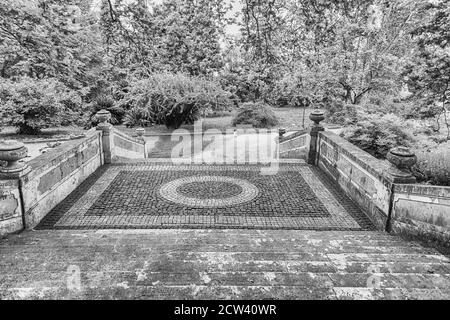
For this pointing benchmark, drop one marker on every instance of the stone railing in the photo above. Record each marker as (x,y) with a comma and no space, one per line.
(384,189)
(295,145)
(117,144)
(29,191)
(29,194)
(422,211)
(360,175)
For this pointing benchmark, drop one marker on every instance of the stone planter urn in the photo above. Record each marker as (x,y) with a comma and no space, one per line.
(11,152)
(103,116)
(140,133)
(316,116)
(402,160)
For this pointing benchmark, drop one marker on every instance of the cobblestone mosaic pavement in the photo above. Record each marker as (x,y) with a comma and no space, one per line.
(157,195)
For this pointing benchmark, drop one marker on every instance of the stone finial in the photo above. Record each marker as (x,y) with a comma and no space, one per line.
(316,116)
(402,160)
(140,133)
(103,117)
(12,152)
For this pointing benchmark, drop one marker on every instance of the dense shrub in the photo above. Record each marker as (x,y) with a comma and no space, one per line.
(137,117)
(259,115)
(173,100)
(433,166)
(35,104)
(106,102)
(422,110)
(339,112)
(289,91)
(247,84)
(376,134)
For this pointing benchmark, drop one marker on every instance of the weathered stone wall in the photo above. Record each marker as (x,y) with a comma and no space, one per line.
(422,211)
(359,174)
(10,207)
(294,146)
(52,176)
(127,147)
(412,209)
(55,174)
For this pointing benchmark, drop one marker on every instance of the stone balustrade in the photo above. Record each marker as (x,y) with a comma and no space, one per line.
(385,189)
(29,191)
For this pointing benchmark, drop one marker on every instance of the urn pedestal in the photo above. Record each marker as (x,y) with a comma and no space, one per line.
(316,116)
(140,133)
(11,152)
(103,116)
(401,160)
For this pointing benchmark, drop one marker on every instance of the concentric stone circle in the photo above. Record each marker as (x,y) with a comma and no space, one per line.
(210,190)
(169,191)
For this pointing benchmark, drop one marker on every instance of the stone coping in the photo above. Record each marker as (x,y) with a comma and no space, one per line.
(41,140)
(209,132)
(126,136)
(56,155)
(423,190)
(294,135)
(376,167)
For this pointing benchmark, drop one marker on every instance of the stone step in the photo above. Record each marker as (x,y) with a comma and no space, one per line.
(231,236)
(183,292)
(202,292)
(355,293)
(166,264)
(215,264)
(235,278)
(257,247)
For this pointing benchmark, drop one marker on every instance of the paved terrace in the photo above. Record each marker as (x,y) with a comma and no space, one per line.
(291,235)
(103,222)
(149,195)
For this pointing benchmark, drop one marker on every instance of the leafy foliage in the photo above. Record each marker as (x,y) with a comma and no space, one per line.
(260,115)
(33,104)
(179,36)
(173,99)
(433,166)
(377,134)
(48,39)
(428,73)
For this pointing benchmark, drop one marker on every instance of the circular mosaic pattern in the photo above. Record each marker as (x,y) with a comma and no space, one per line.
(209,191)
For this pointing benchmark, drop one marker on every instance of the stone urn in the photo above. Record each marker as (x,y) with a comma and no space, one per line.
(316,116)
(103,116)
(11,152)
(281,132)
(140,132)
(402,158)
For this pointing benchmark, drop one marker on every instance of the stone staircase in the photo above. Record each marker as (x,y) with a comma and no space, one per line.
(219,264)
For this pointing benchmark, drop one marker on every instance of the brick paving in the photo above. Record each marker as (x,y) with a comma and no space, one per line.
(309,241)
(219,264)
(158,195)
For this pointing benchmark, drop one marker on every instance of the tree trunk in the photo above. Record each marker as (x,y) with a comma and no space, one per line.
(444,98)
